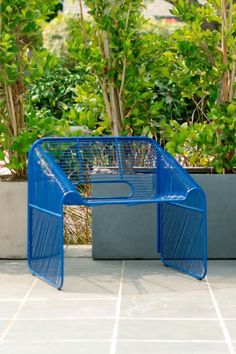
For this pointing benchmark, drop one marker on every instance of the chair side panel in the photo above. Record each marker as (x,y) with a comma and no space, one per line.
(45,221)
(183,244)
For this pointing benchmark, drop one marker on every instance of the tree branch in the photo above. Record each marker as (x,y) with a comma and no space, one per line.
(82,20)
(232,81)
(225,78)
(10,104)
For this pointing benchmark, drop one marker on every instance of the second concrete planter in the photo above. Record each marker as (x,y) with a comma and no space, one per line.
(131,232)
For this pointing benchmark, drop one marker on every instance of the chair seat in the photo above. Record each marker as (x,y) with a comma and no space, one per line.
(91,202)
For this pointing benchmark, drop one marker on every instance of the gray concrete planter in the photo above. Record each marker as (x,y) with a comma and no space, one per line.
(13,220)
(126,232)
(221,209)
(131,232)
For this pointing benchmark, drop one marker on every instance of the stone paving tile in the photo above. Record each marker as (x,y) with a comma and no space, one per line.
(169,304)
(231,327)
(151,277)
(221,274)
(153,299)
(15,279)
(171,348)
(60,330)
(169,329)
(68,309)
(73,251)
(8,308)
(226,300)
(55,348)
(3,324)
(84,277)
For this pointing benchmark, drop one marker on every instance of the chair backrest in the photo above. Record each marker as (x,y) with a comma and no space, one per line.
(131,162)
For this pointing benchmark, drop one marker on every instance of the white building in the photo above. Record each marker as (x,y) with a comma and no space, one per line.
(155,9)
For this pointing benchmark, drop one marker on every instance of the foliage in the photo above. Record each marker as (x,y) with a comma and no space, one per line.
(56,9)
(193,70)
(37,125)
(200,144)
(90,109)
(210,52)
(142,81)
(119,73)
(175,106)
(121,67)
(22,62)
(55,91)
(74,91)
(199,59)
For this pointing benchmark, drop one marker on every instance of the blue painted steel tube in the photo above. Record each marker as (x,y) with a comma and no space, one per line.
(57,166)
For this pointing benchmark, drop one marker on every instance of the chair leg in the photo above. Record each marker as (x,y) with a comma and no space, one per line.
(183,239)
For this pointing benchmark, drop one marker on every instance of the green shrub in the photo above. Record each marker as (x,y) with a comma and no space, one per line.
(199,59)
(118,56)
(208,144)
(22,63)
(55,91)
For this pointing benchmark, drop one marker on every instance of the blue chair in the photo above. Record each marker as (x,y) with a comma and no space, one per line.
(58,167)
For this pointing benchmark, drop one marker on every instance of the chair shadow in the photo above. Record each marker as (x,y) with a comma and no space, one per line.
(86,276)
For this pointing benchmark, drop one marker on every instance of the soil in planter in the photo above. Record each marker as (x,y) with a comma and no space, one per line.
(77,225)
(77,221)
(12,178)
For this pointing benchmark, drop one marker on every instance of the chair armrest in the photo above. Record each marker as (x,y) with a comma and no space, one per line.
(45,179)
(173,179)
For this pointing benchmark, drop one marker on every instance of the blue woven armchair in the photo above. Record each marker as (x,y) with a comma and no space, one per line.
(57,167)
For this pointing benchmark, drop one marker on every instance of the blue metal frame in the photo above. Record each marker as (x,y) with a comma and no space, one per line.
(56,166)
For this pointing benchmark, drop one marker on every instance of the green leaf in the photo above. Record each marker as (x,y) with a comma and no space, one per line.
(9,9)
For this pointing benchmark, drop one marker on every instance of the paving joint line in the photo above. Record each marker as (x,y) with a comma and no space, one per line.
(74,299)
(131,340)
(221,319)
(92,318)
(117,313)
(16,314)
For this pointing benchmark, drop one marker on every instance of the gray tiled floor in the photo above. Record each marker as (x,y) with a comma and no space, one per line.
(115,307)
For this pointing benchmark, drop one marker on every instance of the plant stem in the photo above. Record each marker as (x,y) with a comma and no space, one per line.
(82,20)
(106,99)
(232,81)
(124,69)
(224,46)
(233,72)
(111,96)
(12,109)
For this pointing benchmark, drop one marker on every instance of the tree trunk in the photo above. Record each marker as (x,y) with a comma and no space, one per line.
(15,115)
(109,90)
